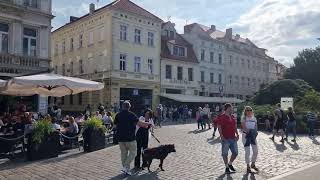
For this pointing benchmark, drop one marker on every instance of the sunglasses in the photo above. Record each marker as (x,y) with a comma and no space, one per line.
(249,110)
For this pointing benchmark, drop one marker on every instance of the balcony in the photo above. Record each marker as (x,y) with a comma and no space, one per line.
(14,65)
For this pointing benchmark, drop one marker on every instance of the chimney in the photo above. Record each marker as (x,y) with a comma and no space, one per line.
(73,18)
(237,36)
(213,28)
(91,8)
(229,33)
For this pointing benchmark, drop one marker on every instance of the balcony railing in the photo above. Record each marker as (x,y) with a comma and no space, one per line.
(14,64)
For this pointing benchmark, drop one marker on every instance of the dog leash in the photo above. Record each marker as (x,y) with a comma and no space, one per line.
(155,138)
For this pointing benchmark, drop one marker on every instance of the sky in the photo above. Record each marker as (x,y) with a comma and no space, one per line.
(283,27)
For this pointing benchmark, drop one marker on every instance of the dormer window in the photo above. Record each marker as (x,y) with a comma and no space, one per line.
(178,51)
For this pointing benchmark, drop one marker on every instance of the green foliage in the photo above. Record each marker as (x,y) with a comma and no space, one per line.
(94,123)
(310,101)
(272,93)
(306,67)
(259,110)
(42,129)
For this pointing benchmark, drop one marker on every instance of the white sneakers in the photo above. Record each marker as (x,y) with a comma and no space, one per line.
(126,171)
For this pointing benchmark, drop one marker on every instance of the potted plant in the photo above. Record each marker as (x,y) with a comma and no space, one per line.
(94,135)
(43,141)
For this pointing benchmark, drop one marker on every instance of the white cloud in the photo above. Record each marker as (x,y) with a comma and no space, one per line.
(284,27)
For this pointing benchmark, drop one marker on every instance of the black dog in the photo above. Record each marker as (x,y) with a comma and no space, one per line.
(160,152)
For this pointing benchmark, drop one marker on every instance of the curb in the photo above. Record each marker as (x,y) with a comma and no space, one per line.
(282,176)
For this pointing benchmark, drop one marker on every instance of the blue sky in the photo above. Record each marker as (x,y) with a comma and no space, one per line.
(284,27)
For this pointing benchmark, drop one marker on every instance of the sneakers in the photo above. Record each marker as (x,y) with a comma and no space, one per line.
(286,139)
(126,171)
(253,166)
(231,167)
(227,171)
(293,140)
(272,138)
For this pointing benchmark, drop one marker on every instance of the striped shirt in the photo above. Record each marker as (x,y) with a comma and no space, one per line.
(311,116)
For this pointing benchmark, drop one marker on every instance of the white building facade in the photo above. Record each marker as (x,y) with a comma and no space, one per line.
(25,27)
(211,54)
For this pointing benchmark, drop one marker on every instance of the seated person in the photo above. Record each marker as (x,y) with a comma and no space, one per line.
(72,129)
(55,126)
(107,119)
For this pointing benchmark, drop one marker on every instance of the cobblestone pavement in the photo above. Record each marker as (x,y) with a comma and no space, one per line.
(197,157)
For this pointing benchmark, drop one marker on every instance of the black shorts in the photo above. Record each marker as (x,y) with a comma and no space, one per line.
(279,125)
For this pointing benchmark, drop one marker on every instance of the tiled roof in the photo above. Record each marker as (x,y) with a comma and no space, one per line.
(122,5)
(180,41)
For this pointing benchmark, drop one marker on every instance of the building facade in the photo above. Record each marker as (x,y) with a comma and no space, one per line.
(242,67)
(118,44)
(179,64)
(211,55)
(25,27)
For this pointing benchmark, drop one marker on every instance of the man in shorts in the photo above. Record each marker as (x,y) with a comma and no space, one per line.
(227,125)
(279,124)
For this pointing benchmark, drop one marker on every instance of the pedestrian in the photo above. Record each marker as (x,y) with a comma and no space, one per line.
(142,138)
(198,118)
(279,123)
(98,115)
(125,123)
(159,115)
(164,114)
(312,117)
(206,115)
(291,126)
(227,126)
(249,137)
(267,121)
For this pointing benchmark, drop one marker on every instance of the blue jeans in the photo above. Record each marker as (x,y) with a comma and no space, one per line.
(229,144)
(291,127)
(311,127)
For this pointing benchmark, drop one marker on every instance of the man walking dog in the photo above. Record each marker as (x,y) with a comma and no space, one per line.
(125,123)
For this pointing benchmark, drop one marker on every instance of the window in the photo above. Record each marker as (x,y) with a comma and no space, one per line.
(137,36)
(63,69)
(203,54)
(237,80)
(150,66)
(242,62)
(80,41)
(211,78)
(202,76)
(31,3)
(71,68)
(168,72)
(29,42)
(190,74)
(123,59)
(242,81)
(71,99)
(230,79)
(71,44)
(171,34)
(220,78)
(123,32)
(4,38)
(80,98)
(101,33)
(63,47)
(220,58)
(248,81)
(166,32)
(179,73)
(212,57)
(81,67)
(178,51)
(248,63)
(230,60)
(137,64)
(150,39)
(90,39)
(56,50)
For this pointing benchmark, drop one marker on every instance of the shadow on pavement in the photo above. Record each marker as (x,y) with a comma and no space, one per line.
(197,131)
(315,141)
(280,147)
(213,141)
(222,177)
(295,146)
(247,177)
(146,176)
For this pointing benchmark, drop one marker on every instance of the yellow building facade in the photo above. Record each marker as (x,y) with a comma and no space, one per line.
(118,44)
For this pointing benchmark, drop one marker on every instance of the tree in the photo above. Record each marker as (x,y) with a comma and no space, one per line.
(272,93)
(307,67)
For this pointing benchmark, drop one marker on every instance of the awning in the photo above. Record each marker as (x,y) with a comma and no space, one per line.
(200,99)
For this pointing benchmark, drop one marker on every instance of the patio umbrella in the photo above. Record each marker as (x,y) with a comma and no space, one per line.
(50,85)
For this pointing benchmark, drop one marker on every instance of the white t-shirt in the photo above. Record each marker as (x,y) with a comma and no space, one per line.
(250,122)
(141,118)
(106,119)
